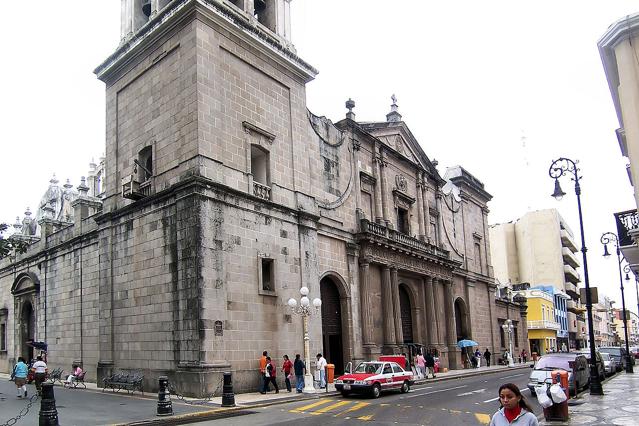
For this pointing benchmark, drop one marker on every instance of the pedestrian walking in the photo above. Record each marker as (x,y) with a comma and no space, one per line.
(478,357)
(487,355)
(430,363)
(269,375)
(514,408)
(420,362)
(406,362)
(286,368)
(20,371)
(321,370)
(263,383)
(299,367)
(40,372)
(524,355)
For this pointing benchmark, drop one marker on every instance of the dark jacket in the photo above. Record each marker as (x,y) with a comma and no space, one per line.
(487,354)
(299,366)
(430,361)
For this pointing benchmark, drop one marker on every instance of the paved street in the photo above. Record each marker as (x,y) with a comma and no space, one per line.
(464,401)
(83,407)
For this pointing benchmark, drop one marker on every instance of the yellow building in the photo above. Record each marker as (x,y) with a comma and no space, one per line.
(542,327)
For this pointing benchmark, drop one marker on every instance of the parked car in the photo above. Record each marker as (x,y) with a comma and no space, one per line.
(610,365)
(619,355)
(574,363)
(601,369)
(374,377)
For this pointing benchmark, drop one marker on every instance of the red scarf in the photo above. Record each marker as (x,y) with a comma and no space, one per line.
(512,413)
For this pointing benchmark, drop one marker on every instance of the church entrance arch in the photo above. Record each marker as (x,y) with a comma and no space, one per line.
(406,313)
(461,320)
(27,330)
(332,334)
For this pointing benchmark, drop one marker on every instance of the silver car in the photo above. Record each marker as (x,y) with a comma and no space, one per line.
(610,365)
(574,363)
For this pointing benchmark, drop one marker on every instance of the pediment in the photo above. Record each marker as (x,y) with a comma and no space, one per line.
(399,144)
(26,282)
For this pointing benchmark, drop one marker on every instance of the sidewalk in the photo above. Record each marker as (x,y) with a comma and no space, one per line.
(618,405)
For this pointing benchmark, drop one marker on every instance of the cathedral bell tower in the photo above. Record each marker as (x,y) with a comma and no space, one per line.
(203,98)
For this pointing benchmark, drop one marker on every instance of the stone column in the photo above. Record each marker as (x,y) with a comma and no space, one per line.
(389,321)
(430,311)
(397,317)
(379,200)
(364,294)
(384,189)
(420,314)
(426,208)
(438,206)
(420,207)
(126,20)
(450,324)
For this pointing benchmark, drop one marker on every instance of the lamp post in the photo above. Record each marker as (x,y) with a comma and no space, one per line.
(508,331)
(607,238)
(559,168)
(304,309)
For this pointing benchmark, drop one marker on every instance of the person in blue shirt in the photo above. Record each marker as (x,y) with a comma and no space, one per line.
(20,371)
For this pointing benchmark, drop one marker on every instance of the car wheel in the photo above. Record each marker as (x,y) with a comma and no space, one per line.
(345,393)
(377,390)
(405,387)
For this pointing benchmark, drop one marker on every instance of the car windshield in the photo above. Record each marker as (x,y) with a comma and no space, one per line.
(611,351)
(605,356)
(553,363)
(369,367)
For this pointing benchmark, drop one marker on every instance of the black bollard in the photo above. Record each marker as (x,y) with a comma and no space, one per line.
(228,397)
(165,408)
(48,412)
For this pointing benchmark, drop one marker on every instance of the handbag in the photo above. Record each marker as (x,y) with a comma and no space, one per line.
(13,374)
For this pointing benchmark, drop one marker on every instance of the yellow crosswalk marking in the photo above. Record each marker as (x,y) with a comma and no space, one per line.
(309,406)
(330,407)
(355,407)
(482,418)
(365,418)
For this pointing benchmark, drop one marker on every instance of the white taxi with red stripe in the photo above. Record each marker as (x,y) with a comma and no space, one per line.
(373,377)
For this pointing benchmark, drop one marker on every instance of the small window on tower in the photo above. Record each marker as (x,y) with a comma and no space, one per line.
(144,164)
(260,165)
(266,276)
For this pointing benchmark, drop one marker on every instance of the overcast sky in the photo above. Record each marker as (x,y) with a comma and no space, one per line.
(499,87)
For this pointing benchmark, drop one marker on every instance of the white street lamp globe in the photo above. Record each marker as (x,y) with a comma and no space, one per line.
(304,301)
(292,302)
(304,291)
(317,302)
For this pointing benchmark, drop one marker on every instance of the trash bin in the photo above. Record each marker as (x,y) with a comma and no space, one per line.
(559,411)
(330,373)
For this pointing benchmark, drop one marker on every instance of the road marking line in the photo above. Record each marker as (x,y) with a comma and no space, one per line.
(309,406)
(435,391)
(482,418)
(355,407)
(491,400)
(471,392)
(365,418)
(330,407)
(514,375)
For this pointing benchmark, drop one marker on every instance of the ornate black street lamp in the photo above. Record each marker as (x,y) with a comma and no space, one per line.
(558,168)
(606,238)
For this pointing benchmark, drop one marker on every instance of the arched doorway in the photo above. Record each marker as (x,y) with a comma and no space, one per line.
(461,320)
(27,330)
(406,315)
(332,324)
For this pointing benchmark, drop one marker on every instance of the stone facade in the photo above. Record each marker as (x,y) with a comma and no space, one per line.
(224,196)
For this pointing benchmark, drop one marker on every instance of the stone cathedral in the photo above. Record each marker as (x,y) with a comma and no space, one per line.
(221,195)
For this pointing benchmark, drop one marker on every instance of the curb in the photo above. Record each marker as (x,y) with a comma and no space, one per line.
(473,374)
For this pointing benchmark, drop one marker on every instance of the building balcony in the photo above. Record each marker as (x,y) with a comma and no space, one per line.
(370,229)
(628,233)
(572,290)
(574,307)
(543,325)
(567,241)
(569,257)
(261,191)
(571,275)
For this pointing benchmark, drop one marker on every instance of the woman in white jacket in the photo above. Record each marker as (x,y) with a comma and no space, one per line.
(514,408)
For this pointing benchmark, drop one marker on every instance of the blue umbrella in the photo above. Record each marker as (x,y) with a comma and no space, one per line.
(465,343)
